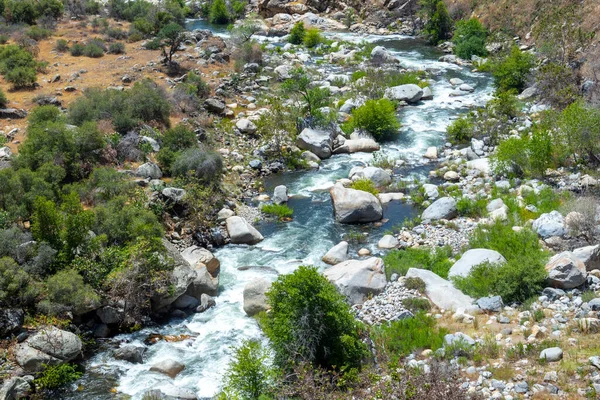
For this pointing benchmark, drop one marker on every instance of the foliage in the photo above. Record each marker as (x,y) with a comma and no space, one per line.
(3,99)
(469,39)
(439,24)
(461,130)
(557,85)
(378,117)
(198,163)
(66,291)
(416,304)
(310,321)
(467,207)
(513,71)
(219,13)
(400,261)
(171,36)
(314,98)
(93,50)
(578,132)
(376,81)
(16,287)
(18,66)
(61,46)
(400,338)
(297,33)
(366,185)
(116,48)
(55,376)
(37,33)
(249,374)
(415,284)
(281,211)
(312,37)
(248,52)
(77,50)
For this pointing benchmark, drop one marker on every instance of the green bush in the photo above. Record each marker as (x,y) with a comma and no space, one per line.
(93,50)
(366,185)
(416,304)
(578,133)
(124,223)
(116,48)
(204,165)
(219,13)
(43,114)
(414,283)
(310,321)
(249,374)
(154,44)
(401,338)
(21,77)
(55,376)
(281,211)
(297,33)
(37,33)
(66,291)
(513,71)
(62,46)
(378,117)
(16,286)
(461,130)
(469,39)
(3,99)
(467,207)
(18,66)
(77,50)
(557,85)
(312,38)
(400,261)
(438,25)
(528,155)
(20,11)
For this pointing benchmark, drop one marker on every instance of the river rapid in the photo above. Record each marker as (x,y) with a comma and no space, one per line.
(287,245)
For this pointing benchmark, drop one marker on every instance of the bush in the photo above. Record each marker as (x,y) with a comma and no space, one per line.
(461,130)
(400,261)
(3,99)
(469,39)
(205,165)
(415,284)
(378,117)
(55,376)
(297,33)
(248,52)
(366,185)
(116,48)
(61,46)
(578,133)
(471,208)
(16,286)
(21,77)
(249,374)
(219,13)
(93,50)
(4,38)
(37,33)
(123,223)
(310,321)
(513,71)
(281,211)
(528,155)
(439,24)
(416,304)
(557,85)
(77,50)
(67,292)
(312,38)
(18,66)
(401,338)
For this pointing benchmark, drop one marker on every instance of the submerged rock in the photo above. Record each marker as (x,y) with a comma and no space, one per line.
(168,367)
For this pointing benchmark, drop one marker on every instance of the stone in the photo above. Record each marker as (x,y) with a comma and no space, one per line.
(241,232)
(453,338)
(377,175)
(284,72)
(336,254)
(380,55)
(169,391)
(355,206)
(11,321)
(565,271)
(444,208)
(451,176)
(388,242)
(594,304)
(109,315)
(255,300)
(431,153)
(195,255)
(493,304)
(176,195)
(472,258)
(427,93)
(246,126)
(310,157)
(12,113)
(185,301)
(362,145)
(50,346)
(215,106)
(409,93)
(385,198)
(130,353)
(553,293)
(364,252)
(317,142)
(482,165)
(595,361)
(168,367)
(15,388)
(589,256)
(550,224)
(255,164)
(431,191)
(280,194)
(358,279)
(441,292)
(149,170)
(456,81)
(551,354)
(224,213)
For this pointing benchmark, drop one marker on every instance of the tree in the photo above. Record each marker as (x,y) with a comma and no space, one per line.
(311,322)
(77,223)
(171,38)
(297,33)
(46,223)
(219,13)
(469,38)
(513,71)
(439,24)
(249,374)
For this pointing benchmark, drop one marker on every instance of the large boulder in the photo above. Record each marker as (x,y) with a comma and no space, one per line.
(280,194)
(550,224)
(11,320)
(566,271)
(589,256)
(381,55)
(377,175)
(358,279)
(255,300)
(215,106)
(355,206)
(269,8)
(168,367)
(195,254)
(336,254)
(244,125)
(317,142)
(363,145)
(409,93)
(149,170)
(12,113)
(441,292)
(49,346)
(473,258)
(444,208)
(241,232)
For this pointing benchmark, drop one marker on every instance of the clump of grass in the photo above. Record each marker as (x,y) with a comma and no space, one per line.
(415,283)
(467,207)
(366,185)
(399,261)
(280,211)
(416,304)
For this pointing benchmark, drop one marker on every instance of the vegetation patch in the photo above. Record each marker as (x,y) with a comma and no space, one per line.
(400,261)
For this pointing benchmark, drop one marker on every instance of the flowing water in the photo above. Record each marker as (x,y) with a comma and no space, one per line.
(288,245)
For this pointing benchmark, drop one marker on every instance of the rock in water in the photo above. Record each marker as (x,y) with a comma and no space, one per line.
(473,258)
(255,300)
(358,279)
(241,232)
(336,254)
(280,195)
(410,93)
(355,206)
(388,242)
(130,353)
(168,367)
(317,142)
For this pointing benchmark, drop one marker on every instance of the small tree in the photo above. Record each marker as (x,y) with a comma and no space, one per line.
(439,24)
(513,71)
(219,13)
(469,38)
(171,37)
(249,375)
(297,33)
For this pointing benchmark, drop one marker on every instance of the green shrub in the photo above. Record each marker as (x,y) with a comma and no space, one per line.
(3,99)
(297,33)
(205,165)
(356,75)
(378,117)
(461,130)
(312,38)
(20,11)
(513,71)
(528,155)
(67,292)
(124,223)
(469,39)
(401,338)
(310,321)
(471,208)
(116,33)
(16,286)
(505,104)
(77,50)
(578,134)
(93,50)
(154,44)
(249,374)
(219,13)
(416,304)
(4,38)
(415,284)
(366,185)
(61,46)
(21,77)
(116,48)
(55,376)
(557,85)
(400,261)
(43,114)
(37,33)
(438,26)
(281,211)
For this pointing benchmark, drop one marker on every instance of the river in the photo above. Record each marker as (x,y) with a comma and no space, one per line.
(287,245)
